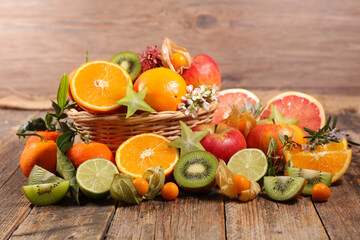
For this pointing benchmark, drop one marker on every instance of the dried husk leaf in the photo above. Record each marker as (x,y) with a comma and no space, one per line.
(123,189)
(243,121)
(251,193)
(156,179)
(225,180)
(169,48)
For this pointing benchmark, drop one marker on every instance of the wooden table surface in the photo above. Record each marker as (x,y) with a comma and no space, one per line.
(263,46)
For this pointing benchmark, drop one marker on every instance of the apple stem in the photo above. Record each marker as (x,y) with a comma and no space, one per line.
(273,120)
(216,125)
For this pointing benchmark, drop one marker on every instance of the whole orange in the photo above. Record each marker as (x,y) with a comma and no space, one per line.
(164,88)
(47,135)
(81,152)
(39,153)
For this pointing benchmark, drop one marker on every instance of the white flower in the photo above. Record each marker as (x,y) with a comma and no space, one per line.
(189,88)
(206,106)
(181,106)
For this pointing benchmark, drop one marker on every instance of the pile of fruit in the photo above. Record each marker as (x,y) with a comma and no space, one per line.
(285,147)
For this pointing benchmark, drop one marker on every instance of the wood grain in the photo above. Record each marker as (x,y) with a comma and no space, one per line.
(266,219)
(188,217)
(299,45)
(66,220)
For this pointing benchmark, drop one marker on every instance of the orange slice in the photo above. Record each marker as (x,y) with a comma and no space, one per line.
(337,162)
(228,97)
(97,85)
(333,146)
(144,151)
(297,105)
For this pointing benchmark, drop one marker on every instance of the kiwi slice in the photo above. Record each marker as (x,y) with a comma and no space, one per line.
(129,61)
(312,177)
(284,188)
(47,193)
(39,175)
(195,171)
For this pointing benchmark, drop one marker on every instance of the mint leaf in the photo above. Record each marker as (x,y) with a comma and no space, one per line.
(37,124)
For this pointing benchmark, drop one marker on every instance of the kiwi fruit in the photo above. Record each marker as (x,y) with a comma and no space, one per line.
(312,177)
(129,61)
(39,175)
(284,188)
(195,171)
(47,193)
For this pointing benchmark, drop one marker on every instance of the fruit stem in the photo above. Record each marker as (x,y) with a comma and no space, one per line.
(216,126)
(30,134)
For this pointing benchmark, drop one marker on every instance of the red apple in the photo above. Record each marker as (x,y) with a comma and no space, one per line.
(222,141)
(203,71)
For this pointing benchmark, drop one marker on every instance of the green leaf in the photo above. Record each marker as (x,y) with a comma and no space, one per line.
(189,140)
(70,105)
(62,91)
(156,179)
(135,101)
(87,56)
(57,109)
(277,116)
(64,166)
(272,146)
(37,124)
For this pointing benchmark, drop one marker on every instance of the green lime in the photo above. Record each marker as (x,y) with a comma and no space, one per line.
(94,177)
(250,162)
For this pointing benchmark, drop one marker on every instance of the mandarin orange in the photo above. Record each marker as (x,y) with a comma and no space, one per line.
(41,153)
(81,152)
(164,88)
(47,135)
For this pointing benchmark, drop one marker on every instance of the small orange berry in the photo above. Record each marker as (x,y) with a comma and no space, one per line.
(142,185)
(320,192)
(177,60)
(242,183)
(170,191)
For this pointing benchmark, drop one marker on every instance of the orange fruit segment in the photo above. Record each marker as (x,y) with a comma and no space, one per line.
(164,88)
(337,162)
(144,151)
(97,85)
(333,146)
(232,96)
(297,105)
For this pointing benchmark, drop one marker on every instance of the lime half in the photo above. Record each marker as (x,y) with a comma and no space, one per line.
(250,162)
(94,177)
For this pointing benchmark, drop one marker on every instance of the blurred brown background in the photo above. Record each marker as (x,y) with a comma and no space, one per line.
(311,46)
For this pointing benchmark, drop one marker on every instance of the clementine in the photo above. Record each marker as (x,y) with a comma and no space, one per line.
(81,152)
(47,135)
(41,153)
(164,88)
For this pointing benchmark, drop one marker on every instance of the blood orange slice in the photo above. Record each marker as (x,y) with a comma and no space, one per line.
(232,96)
(297,105)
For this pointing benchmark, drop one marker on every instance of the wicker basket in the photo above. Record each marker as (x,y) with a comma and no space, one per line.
(112,130)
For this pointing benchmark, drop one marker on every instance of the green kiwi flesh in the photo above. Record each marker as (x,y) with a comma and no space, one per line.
(195,171)
(129,61)
(47,193)
(284,188)
(312,177)
(39,175)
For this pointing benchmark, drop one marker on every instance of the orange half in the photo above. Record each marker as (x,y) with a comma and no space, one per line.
(144,151)
(97,85)
(337,162)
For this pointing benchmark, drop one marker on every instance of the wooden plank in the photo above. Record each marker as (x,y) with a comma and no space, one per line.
(188,217)
(341,213)
(258,45)
(13,204)
(266,219)
(66,220)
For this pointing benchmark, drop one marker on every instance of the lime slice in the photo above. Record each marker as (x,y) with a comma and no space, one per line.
(94,177)
(250,162)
